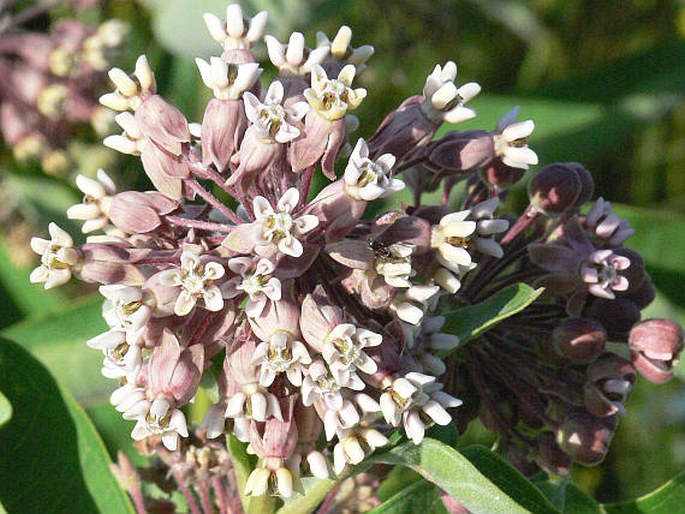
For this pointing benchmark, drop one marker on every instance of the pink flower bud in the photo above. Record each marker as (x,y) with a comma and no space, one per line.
(137,213)
(318,319)
(173,371)
(163,124)
(656,345)
(223,127)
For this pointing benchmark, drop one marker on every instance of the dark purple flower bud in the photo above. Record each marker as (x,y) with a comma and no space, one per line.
(501,177)
(642,296)
(580,339)
(403,131)
(656,345)
(617,316)
(460,152)
(585,438)
(550,456)
(555,189)
(609,383)
(587,184)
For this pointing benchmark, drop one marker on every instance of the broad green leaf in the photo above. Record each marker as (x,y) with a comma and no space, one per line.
(507,478)
(669,498)
(468,322)
(420,496)
(568,498)
(58,340)
(5,409)
(52,458)
(456,475)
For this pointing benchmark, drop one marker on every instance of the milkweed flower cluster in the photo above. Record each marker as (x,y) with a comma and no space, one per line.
(324,325)
(50,80)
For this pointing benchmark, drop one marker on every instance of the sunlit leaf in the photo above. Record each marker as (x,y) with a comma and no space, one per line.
(468,322)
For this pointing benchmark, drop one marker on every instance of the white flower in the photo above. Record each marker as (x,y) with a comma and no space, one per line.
(320,382)
(411,305)
(162,420)
(127,94)
(487,227)
(130,400)
(95,206)
(272,121)
(452,238)
(394,263)
(196,281)
(342,51)
(58,257)
(277,228)
(294,58)
(332,98)
(444,101)
(414,398)
(281,354)
(343,350)
(122,360)
(125,310)
(227,81)
(354,445)
(369,180)
(511,141)
(272,477)
(255,280)
(131,141)
(253,402)
(237,32)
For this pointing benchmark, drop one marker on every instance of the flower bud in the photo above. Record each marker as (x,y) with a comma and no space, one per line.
(617,315)
(610,382)
(656,346)
(555,189)
(587,185)
(580,339)
(585,438)
(550,456)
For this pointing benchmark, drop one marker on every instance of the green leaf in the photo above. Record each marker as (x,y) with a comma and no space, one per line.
(52,458)
(669,498)
(58,340)
(420,496)
(568,498)
(398,479)
(507,478)
(315,492)
(456,475)
(5,409)
(468,322)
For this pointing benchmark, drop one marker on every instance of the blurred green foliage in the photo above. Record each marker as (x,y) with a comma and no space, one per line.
(604,81)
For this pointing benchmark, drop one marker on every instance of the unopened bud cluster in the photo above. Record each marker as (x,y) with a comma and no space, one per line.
(49,81)
(326,323)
